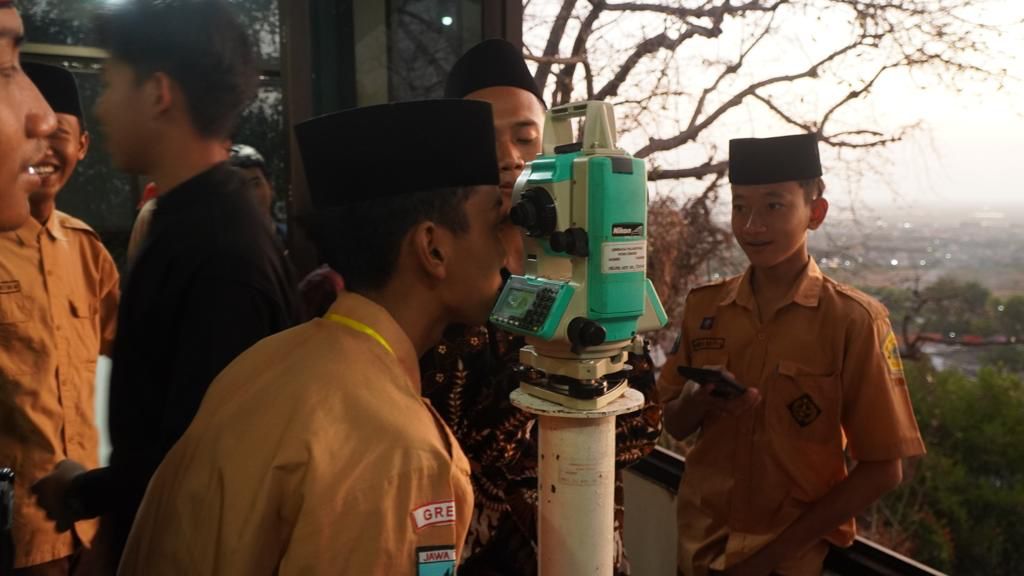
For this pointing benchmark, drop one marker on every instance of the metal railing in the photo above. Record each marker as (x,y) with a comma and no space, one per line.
(663,469)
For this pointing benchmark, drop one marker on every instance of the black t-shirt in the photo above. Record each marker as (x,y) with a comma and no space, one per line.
(209,282)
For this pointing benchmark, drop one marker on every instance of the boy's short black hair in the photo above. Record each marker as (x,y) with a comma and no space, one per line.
(362,241)
(813,188)
(200,44)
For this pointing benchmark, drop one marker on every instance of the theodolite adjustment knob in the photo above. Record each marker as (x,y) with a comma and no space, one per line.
(584,332)
(573,242)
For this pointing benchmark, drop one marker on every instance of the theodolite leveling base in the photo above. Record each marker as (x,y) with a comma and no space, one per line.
(561,399)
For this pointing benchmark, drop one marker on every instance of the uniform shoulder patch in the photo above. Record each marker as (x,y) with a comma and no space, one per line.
(440,513)
(891,351)
(435,561)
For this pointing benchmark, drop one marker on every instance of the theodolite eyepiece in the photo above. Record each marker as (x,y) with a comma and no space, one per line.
(536,213)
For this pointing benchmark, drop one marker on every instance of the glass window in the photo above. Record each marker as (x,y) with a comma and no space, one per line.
(426,38)
(70,22)
(263,20)
(61,21)
(263,127)
(368,52)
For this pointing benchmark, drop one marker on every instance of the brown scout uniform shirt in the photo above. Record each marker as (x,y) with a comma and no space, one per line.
(828,369)
(58,313)
(312,453)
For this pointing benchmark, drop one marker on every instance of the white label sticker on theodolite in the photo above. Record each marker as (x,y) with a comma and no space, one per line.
(620,257)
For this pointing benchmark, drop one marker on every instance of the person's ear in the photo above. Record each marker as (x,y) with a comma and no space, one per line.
(83,145)
(819,209)
(159,93)
(431,248)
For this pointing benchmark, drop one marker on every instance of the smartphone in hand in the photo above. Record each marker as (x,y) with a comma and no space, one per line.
(725,387)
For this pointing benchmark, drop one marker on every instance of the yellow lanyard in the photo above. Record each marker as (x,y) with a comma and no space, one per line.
(360,327)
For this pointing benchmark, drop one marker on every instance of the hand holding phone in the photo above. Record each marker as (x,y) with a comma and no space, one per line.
(725,387)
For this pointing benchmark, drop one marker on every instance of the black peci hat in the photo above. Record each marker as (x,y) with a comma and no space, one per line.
(493,62)
(754,161)
(58,87)
(393,149)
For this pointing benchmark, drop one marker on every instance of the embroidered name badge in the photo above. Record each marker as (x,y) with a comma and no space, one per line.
(435,561)
(10,287)
(707,344)
(707,323)
(804,410)
(434,514)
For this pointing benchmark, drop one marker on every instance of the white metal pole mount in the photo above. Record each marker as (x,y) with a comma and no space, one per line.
(576,484)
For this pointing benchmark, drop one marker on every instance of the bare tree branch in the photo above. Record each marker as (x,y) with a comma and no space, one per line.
(660,42)
(703,12)
(854,94)
(588,73)
(728,71)
(571,60)
(554,40)
(778,111)
(701,171)
(877,138)
(563,93)
(661,144)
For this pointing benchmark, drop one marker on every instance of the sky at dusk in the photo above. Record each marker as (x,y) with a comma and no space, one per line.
(969,148)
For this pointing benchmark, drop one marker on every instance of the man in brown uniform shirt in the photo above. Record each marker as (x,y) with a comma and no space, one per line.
(25,122)
(58,312)
(766,485)
(314,452)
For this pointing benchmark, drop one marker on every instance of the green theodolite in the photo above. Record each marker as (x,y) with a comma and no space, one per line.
(585,296)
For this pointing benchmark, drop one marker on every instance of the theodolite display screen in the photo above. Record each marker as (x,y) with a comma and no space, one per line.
(518,302)
(531,306)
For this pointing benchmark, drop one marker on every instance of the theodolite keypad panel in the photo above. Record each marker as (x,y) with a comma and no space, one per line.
(538,311)
(533,317)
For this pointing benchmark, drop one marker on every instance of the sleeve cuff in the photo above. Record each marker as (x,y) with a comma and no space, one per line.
(905,448)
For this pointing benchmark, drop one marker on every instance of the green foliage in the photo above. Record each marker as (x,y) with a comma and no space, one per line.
(955,306)
(1009,358)
(961,505)
(1010,314)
